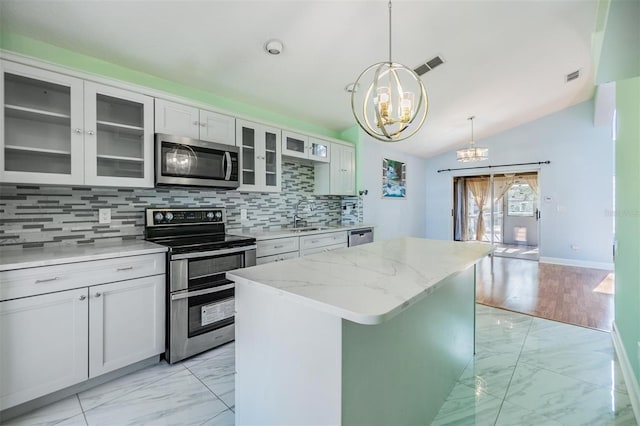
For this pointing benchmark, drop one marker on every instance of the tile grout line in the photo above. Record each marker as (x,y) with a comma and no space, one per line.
(82,408)
(504,398)
(210,390)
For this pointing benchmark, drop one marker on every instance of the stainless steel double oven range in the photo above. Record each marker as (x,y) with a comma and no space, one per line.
(200,299)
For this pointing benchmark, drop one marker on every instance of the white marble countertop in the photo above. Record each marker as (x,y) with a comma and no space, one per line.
(20,258)
(367,284)
(290,232)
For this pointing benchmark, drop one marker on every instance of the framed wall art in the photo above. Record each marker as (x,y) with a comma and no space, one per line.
(394,183)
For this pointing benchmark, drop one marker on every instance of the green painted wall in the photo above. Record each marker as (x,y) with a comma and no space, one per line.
(627,297)
(40,50)
(620,55)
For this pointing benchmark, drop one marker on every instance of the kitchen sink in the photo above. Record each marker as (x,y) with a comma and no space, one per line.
(308,228)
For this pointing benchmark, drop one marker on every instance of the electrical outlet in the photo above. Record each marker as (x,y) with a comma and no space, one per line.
(575,247)
(243,214)
(104,215)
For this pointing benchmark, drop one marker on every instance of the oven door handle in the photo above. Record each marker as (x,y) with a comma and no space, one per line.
(228,165)
(213,252)
(188,294)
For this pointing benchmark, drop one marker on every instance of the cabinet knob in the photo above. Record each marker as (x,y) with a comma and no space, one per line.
(82,297)
(195,123)
(98,294)
(90,132)
(77,131)
(202,124)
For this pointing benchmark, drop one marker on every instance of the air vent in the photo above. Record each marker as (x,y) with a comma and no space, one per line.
(429,65)
(573,75)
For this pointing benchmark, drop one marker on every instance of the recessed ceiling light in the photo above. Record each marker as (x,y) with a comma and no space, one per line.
(273,47)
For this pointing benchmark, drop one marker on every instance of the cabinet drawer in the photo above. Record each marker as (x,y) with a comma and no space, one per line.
(47,279)
(323,249)
(277,257)
(323,240)
(279,245)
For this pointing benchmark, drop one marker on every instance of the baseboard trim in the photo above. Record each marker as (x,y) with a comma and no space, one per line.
(579,263)
(627,372)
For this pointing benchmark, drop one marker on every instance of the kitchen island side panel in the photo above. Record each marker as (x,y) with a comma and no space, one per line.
(401,371)
(288,360)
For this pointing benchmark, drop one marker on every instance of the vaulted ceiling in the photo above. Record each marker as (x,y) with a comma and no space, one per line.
(505,61)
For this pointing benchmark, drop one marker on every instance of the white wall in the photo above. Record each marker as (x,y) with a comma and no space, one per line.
(393,217)
(578,182)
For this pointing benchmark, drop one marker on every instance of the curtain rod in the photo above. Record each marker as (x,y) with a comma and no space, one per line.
(490,167)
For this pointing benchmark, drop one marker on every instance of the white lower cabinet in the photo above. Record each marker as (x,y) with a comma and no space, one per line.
(126,323)
(44,342)
(279,249)
(61,336)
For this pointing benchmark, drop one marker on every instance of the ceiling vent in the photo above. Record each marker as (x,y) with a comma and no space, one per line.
(429,65)
(573,75)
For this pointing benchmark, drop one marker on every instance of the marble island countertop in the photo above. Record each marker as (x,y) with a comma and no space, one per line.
(19,258)
(292,232)
(367,284)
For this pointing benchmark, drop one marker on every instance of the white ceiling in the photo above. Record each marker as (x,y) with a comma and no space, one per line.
(506,61)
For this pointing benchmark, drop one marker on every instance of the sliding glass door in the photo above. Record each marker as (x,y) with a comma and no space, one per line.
(501,209)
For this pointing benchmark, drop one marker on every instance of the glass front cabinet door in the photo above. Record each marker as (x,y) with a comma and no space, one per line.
(63,130)
(42,131)
(118,137)
(295,145)
(319,150)
(260,157)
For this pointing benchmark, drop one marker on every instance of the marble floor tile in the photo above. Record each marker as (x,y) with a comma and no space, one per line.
(567,400)
(511,415)
(178,399)
(499,342)
(596,367)
(223,386)
(52,414)
(224,352)
(123,385)
(490,373)
(549,334)
(226,418)
(468,406)
(492,320)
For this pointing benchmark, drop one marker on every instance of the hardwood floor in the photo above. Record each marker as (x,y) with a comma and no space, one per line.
(579,296)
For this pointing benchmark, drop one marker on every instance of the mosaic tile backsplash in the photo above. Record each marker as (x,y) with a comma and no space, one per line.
(37,216)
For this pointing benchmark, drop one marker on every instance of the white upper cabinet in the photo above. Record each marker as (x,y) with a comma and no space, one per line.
(118,137)
(61,130)
(42,121)
(260,157)
(177,119)
(303,146)
(339,176)
(183,120)
(295,144)
(319,150)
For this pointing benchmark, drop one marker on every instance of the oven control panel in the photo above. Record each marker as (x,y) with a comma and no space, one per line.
(158,217)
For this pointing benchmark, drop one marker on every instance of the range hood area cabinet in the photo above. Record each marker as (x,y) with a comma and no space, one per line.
(182,120)
(260,157)
(305,147)
(60,129)
(338,177)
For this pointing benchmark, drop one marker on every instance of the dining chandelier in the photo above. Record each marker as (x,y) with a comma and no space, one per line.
(394,105)
(472,153)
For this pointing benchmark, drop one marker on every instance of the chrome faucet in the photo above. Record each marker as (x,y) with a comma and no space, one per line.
(296,217)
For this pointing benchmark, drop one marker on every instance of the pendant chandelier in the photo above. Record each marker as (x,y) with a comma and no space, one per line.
(394,105)
(472,153)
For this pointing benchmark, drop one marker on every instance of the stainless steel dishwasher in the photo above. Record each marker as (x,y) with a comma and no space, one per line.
(360,236)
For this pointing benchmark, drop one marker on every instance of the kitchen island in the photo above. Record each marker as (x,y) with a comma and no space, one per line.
(376,334)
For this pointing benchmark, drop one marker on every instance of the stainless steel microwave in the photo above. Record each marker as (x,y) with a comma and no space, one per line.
(189,162)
